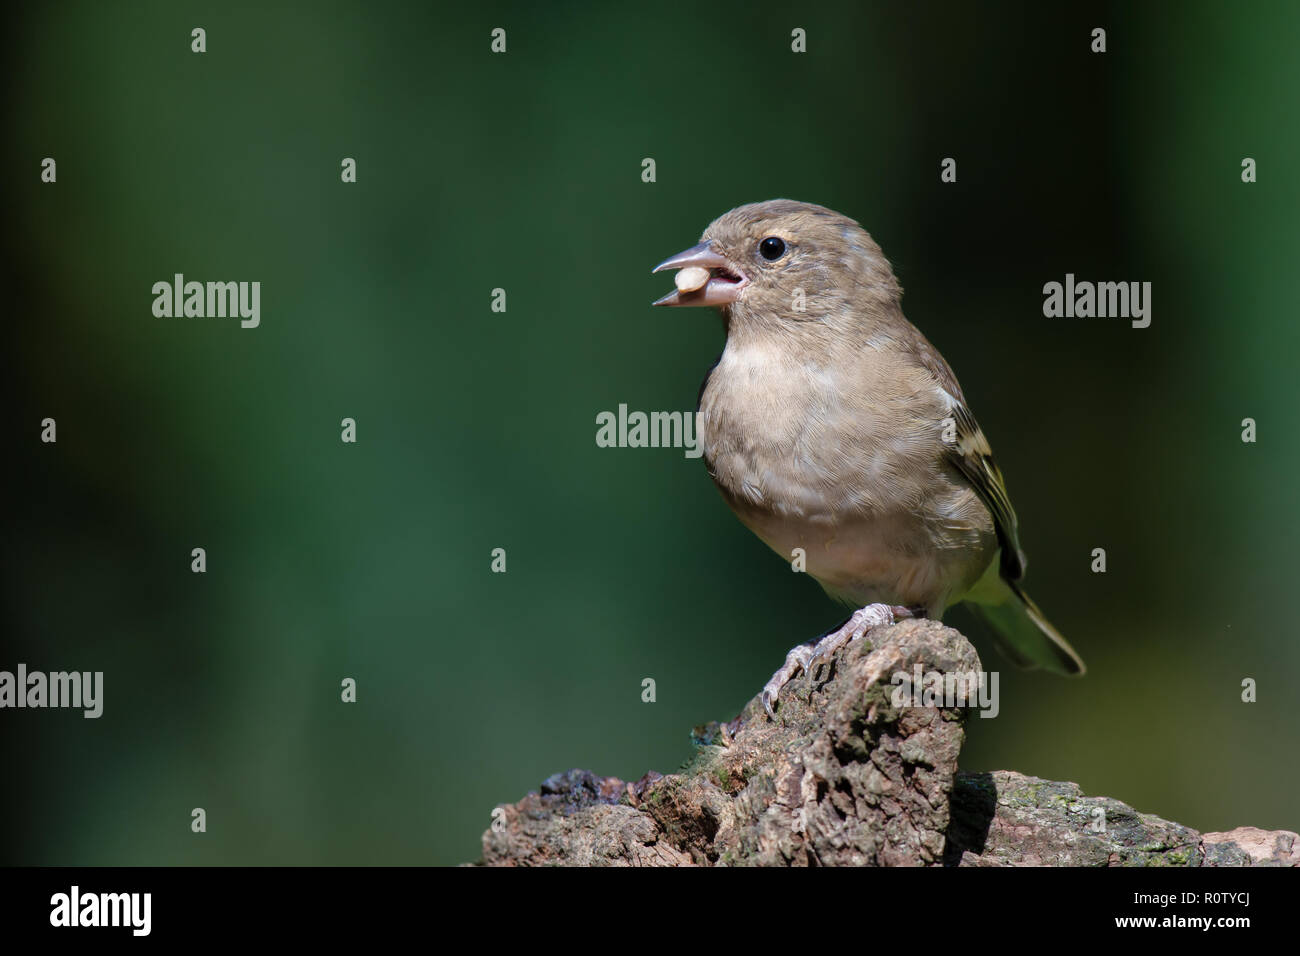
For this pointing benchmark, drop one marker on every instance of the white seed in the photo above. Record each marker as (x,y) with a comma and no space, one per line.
(691,278)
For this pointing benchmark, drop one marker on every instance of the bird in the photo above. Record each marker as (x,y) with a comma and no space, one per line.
(835,431)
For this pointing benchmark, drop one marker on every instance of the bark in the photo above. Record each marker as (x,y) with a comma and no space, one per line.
(849,776)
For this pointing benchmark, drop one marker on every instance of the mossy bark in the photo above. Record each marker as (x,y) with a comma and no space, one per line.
(844,777)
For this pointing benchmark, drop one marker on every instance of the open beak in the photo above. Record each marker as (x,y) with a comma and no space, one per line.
(707,277)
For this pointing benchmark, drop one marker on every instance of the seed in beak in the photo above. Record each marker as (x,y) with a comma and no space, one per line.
(691,278)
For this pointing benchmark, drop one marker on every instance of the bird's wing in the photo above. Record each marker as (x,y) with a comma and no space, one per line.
(970,453)
(928,357)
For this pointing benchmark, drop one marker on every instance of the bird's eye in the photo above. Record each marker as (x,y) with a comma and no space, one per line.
(771,248)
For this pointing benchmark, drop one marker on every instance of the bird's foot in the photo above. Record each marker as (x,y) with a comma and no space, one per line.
(811,656)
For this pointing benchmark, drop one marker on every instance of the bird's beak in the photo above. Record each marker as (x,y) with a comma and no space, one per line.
(716,280)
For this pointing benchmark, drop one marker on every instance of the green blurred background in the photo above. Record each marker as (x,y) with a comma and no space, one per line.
(476,429)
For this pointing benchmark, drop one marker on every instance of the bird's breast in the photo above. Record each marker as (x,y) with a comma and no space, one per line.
(798,438)
(826,463)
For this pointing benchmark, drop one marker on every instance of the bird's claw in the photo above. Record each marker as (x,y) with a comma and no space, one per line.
(811,656)
(795,661)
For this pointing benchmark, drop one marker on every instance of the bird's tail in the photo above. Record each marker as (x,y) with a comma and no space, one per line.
(1022,633)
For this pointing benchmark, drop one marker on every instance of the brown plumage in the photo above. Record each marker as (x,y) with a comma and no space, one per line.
(831,424)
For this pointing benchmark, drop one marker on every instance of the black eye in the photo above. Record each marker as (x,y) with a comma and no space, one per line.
(771,248)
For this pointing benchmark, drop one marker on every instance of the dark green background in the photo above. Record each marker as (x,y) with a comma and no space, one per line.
(476,429)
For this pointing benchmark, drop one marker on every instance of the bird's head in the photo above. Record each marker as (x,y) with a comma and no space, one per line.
(784,262)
